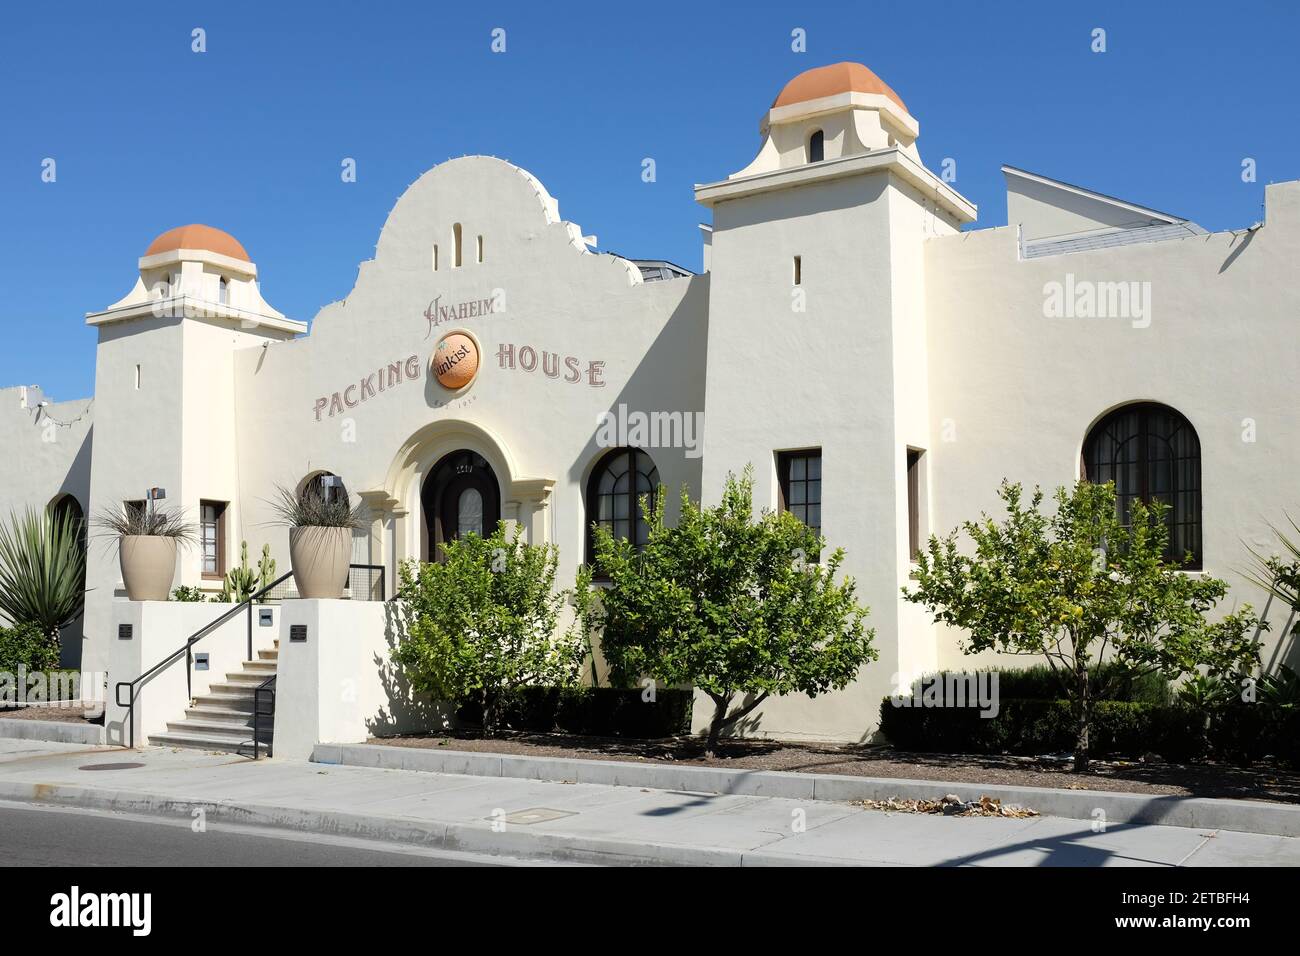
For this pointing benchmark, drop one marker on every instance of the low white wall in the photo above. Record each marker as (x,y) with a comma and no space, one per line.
(157,629)
(339,684)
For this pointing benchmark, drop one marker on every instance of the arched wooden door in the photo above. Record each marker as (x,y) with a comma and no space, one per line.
(460,496)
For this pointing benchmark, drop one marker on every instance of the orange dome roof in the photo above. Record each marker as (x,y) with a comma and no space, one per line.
(198,236)
(831,81)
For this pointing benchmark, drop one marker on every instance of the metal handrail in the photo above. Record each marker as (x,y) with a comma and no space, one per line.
(186,650)
(246,606)
(266,687)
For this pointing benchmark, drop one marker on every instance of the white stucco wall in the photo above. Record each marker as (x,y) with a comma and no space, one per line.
(46,455)
(1019,391)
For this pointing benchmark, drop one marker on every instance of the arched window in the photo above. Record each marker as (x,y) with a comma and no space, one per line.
(1152,453)
(455,245)
(326,486)
(816,146)
(68,508)
(223,291)
(613,496)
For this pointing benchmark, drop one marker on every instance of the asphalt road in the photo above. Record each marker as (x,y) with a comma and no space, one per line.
(53,836)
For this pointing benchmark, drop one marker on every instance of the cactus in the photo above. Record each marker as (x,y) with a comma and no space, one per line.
(265,569)
(240,582)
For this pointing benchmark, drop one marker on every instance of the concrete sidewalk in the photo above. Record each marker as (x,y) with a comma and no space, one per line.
(588,822)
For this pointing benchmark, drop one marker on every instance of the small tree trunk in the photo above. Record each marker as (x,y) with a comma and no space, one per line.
(715,725)
(1083,718)
(489,715)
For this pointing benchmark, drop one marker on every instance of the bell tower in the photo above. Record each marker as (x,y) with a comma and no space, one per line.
(817,352)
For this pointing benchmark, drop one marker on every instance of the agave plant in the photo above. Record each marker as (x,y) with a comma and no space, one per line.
(42,570)
(1279,575)
(1204,693)
(312,510)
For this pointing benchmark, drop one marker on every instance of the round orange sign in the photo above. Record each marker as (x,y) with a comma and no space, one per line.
(455,361)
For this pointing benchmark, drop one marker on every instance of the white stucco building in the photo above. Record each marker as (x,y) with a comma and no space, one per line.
(879,361)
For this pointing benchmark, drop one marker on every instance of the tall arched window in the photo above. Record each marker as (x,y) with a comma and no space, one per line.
(1152,453)
(614,493)
(223,291)
(816,146)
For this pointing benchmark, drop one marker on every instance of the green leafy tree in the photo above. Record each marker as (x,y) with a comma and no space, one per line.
(736,606)
(43,571)
(485,621)
(1078,588)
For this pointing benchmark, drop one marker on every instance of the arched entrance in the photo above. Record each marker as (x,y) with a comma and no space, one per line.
(460,496)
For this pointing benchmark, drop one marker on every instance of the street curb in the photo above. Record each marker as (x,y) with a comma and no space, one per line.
(460,837)
(53,731)
(1247,816)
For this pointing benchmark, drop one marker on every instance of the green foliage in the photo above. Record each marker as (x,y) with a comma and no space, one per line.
(731,604)
(1279,575)
(42,571)
(28,646)
(484,622)
(1079,588)
(592,711)
(186,594)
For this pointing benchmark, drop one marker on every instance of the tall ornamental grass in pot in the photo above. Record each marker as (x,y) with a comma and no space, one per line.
(147,541)
(320,539)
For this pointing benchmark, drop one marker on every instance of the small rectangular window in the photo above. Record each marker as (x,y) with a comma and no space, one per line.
(435,257)
(914,492)
(480,248)
(137,378)
(799,477)
(798,270)
(212,538)
(455,245)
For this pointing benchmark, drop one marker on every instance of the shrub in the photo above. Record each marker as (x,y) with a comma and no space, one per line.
(591,711)
(483,623)
(1239,732)
(1077,585)
(27,646)
(735,605)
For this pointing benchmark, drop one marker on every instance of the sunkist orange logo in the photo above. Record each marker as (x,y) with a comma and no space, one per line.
(455,361)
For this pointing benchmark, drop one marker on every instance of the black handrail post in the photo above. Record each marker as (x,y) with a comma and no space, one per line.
(250,631)
(189,669)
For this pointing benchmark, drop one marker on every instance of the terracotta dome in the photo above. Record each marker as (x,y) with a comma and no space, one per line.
(198,236)
(833,80)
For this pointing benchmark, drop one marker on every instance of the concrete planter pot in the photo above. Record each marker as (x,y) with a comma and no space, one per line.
(148,566)
(320,559)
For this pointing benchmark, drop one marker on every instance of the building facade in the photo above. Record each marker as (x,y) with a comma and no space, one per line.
(881,365)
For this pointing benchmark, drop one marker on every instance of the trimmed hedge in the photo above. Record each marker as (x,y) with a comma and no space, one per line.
(1238,732)
(1040,682)
(590,711)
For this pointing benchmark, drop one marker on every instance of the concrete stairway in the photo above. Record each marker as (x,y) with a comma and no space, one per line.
(222,719)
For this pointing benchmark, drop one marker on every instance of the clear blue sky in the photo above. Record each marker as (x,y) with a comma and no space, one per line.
(249,136)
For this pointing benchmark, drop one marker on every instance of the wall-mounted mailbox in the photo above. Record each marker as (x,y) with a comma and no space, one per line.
(265,616)
(298,633)
(201,661)
(124,632)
